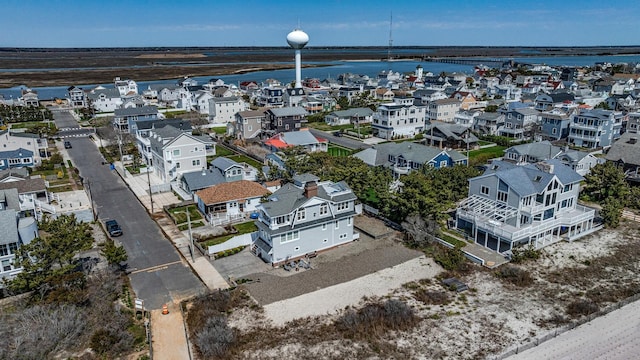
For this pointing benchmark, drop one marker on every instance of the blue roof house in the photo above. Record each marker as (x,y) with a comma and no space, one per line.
(16,158)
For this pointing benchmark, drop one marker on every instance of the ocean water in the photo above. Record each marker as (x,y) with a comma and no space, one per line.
(370,68)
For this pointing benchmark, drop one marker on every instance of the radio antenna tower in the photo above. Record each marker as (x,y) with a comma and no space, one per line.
(390,37)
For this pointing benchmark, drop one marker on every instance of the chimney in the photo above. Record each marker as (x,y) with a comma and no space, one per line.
(310,189)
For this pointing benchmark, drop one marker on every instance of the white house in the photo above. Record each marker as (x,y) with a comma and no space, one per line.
(104,100)
(175,152)
(223,110)
(400,118)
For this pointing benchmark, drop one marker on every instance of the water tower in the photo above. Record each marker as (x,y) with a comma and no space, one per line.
(297,39)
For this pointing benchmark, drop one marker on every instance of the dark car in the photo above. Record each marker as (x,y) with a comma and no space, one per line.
(337,133)
(67,145)
(113,228)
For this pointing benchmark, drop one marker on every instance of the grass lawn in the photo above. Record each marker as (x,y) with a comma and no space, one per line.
(194,225)
(492,152)
(180,217)
(243,228)
(339,151)
(223,151)
(29,124)
(483,143)
(220,130)
(246,159)
(452,240)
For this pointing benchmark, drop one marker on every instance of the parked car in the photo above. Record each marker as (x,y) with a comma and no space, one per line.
(113,228)
(67,145)
(337,133)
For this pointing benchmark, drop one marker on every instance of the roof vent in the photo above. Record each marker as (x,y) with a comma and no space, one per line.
(633,140)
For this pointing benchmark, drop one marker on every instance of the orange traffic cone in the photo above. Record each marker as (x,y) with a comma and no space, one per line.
(165,309)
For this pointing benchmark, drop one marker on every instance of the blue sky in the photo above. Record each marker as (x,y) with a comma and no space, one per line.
(118,23)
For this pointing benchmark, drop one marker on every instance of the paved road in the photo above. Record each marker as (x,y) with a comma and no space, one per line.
(340,140)
(158,273)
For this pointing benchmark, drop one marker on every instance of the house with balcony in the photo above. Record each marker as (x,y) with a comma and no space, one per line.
(349,116)
(534,204)
(271,96)
(17,229)
(303,218)
(229,201)
(405,157)
(126,119)
(488,123)
(425,96)
(554,125)
(284,119)
(633,124)
(595,128)
(146,127)
(14,140)
(518,123)
(402,118)
(303,138)
(444,110)
(175,152)
(546,102)
(248,124)
(451,136)
(104,100)
(293,96)
(126,87)
(77,97)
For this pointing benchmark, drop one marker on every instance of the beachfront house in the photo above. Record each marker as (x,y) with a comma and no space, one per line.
(175,152)
(534,204)
(303,218)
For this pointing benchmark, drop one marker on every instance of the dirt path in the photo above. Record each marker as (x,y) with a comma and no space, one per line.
(168,337)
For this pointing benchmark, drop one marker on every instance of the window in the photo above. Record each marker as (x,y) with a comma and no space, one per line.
(290,236)
(337,224)
(324,226)
(195,162)
(325,241)
(502,196)
(297,248)
(343,206)
(6,265)
(3,250)
(554,131)
(301,215)
(324,209)
(195,149)
(349,221)
(443,163)
(343,236)
(484,190)
(176,152)
(13,247)
(177,165)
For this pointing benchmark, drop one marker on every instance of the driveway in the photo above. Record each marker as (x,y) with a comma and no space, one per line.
(158,273)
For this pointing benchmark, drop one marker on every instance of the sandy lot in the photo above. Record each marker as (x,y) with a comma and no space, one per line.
(331,300)
(492,316)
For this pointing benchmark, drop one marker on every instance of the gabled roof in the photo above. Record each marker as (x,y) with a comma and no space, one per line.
(353,112)
(288,111)
(293,138)
(14,154)
(625,150)
(144,110)
(542,150)
(180,124)
(530,179)
(201,179)
(109,93)
(290,197)
(251,114)
(25,186)
(10,197)
(223,163)
(417,153)
(237,190)
(9,226)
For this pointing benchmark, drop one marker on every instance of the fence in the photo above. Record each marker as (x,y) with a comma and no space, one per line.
(562,329)
(160,188)
(234,242)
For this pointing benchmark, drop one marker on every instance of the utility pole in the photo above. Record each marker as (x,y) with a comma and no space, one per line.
(190,236)
(150,193)
(120,149)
